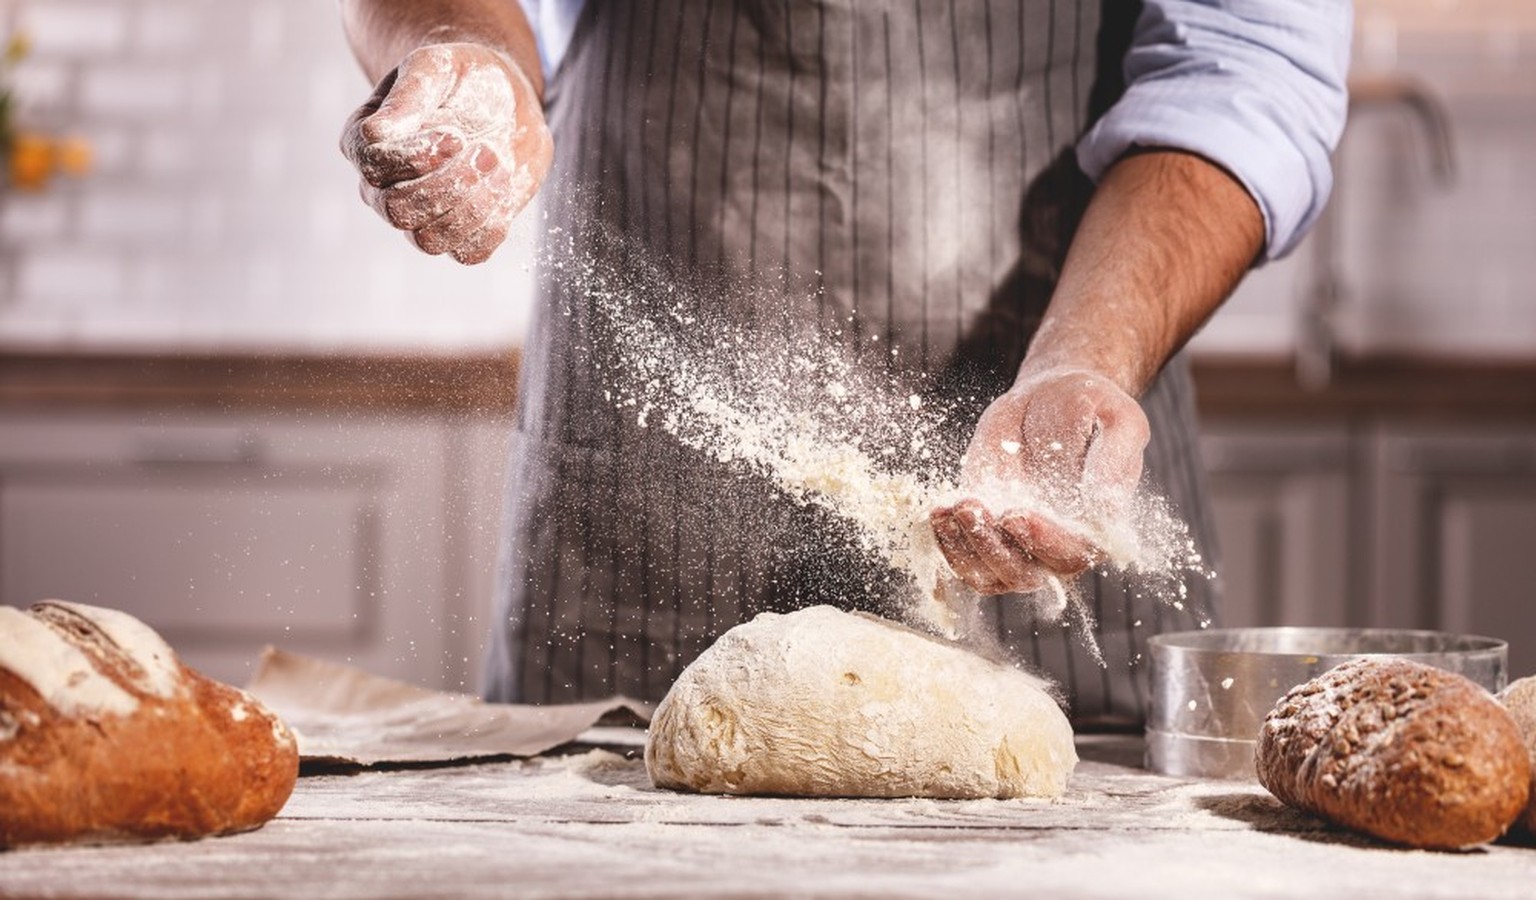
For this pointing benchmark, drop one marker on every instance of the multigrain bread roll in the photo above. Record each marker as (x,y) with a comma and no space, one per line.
(105,736)
(1400,750)
(1520,699)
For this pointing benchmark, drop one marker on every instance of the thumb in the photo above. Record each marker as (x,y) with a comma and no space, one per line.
(423,81)
(1113,462)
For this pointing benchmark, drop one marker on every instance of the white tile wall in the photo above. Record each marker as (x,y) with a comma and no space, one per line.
(219,214)
(1431,269)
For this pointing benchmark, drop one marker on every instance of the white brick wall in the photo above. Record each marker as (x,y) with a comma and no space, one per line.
(77,29)
(1426,268)
(219,214)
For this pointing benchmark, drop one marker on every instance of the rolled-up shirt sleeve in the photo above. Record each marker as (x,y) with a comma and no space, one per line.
(553,22)
(1255,86)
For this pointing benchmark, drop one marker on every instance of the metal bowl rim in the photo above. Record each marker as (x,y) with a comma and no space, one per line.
(1209,641)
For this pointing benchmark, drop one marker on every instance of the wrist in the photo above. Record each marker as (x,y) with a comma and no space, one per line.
(1054,356)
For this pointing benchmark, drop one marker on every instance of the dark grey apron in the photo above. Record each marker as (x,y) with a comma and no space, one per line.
(906,167)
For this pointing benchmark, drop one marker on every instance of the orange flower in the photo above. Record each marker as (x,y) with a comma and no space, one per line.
(31,161)
(73,156)
(17,48)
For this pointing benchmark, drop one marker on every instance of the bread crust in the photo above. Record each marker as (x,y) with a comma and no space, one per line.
(1520,699)
(1400,750)
(191,758)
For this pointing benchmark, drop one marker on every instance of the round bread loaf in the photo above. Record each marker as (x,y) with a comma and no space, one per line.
(1520,699)
(105,736)
(1400,750)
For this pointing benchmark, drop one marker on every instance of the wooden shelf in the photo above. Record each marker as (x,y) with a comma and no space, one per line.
(385,383)
(1405,389)
(1401,389)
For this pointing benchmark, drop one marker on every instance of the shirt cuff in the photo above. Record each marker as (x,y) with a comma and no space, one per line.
(1258,90)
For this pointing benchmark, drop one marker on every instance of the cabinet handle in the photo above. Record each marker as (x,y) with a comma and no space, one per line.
(199,450)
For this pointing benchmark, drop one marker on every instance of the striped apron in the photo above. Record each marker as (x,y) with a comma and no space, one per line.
(886,174)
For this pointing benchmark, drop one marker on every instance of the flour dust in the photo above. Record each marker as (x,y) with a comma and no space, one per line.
(791,404)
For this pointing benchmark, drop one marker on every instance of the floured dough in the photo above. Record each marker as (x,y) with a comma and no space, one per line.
(821,702)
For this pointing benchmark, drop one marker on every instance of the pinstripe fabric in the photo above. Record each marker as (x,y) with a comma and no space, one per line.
(897,175)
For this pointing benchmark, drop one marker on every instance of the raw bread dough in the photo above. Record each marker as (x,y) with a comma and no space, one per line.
(822,702)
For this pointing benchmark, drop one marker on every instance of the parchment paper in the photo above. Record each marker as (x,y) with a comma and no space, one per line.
(345,716)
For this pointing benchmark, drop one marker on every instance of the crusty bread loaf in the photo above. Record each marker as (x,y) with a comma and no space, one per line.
(106,736)
(1520,699)
(1400,750)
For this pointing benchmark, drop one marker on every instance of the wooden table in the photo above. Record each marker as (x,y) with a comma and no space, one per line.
(590,824)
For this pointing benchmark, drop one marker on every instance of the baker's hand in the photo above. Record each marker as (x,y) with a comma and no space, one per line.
(451,146)
(1069,439)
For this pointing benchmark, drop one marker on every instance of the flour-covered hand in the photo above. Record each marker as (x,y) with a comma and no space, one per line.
(1051,460)
(450,147)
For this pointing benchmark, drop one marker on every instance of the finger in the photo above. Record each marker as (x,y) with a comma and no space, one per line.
(1010,564)
(413,204)
(475,208)
(352,140)
(1053,546)
(400,133)
(383,165)
(950,536)
(424,80)
(478,247)
(1113,463)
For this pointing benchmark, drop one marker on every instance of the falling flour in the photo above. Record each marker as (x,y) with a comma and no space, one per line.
(854,440)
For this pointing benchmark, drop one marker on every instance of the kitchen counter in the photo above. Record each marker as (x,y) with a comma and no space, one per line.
(590,824)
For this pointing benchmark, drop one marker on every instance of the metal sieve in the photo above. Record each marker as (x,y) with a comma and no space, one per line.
(1212,689)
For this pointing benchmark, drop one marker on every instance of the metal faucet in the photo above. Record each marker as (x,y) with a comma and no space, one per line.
(1317,339)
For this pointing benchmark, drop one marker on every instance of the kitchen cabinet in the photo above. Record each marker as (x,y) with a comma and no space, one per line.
(1455,539)
(1281,498)
(367,539)
(350,508)
(1378,524)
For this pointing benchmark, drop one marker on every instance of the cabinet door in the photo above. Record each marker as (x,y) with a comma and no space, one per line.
(1283,522)
(322,535)
(1456,535)
(478,457)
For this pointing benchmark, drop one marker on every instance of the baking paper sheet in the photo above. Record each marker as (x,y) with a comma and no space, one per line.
(346,717)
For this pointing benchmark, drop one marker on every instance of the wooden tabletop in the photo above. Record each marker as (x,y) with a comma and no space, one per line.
(590,824)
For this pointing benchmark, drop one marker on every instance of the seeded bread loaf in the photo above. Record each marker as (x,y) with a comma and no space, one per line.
(1400,750)
(105,736)
(1520,699)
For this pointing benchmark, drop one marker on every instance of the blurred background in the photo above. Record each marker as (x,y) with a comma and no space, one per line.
(235,403)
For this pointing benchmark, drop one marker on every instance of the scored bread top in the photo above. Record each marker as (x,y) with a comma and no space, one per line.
(119,641)
(53,665)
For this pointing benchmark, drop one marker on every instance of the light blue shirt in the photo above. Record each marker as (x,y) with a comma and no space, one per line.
(1255,86)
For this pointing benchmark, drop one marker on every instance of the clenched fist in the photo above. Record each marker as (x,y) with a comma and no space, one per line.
(1070,441)
(451,146)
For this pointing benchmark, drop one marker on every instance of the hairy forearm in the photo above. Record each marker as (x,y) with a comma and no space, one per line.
(1166,238)
(382,32)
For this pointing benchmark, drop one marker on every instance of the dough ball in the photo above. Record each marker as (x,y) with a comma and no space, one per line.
(824,703)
